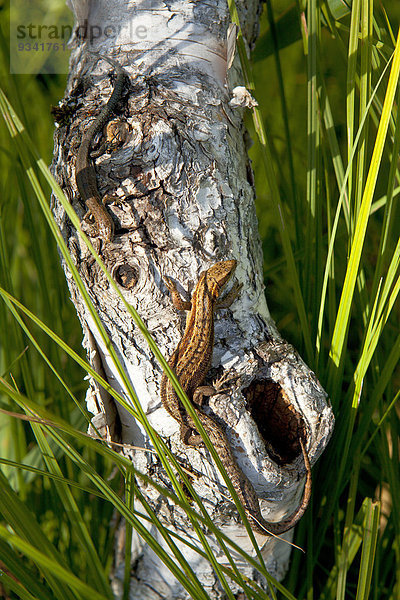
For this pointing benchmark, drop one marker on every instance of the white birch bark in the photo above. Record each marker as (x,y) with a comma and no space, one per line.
(186,202)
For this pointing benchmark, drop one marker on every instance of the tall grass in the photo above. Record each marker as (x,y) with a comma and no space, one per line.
(327,177)
(340,215)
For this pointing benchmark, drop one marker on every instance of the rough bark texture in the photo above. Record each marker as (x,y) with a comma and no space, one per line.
(186,201)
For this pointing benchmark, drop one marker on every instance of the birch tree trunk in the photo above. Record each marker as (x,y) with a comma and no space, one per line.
(185,201)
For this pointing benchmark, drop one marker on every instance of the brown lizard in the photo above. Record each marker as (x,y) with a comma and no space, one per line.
(85,173)
(191,362)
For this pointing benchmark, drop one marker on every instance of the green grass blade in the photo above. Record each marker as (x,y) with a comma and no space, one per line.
(343,555)
(23,577)
(370,537)
(266,156)
(354,541)
(365,85)
(313,233)
(343,317)
(26,528)
(22,592)
(59,573)
(97,576)
(124,464)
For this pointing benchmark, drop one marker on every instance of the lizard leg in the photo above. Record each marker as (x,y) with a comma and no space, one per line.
(111,198)
(103,225)
(116,134)
(189,437)
(177,300)
(204,391)
(227,300)
(189,434)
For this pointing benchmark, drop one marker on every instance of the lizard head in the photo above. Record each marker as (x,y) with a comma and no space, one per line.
(218,275)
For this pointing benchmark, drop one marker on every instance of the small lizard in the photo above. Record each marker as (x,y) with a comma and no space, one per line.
(191,362)
(85,173)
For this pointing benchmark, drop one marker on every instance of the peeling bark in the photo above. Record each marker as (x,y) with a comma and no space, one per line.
(185,201)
